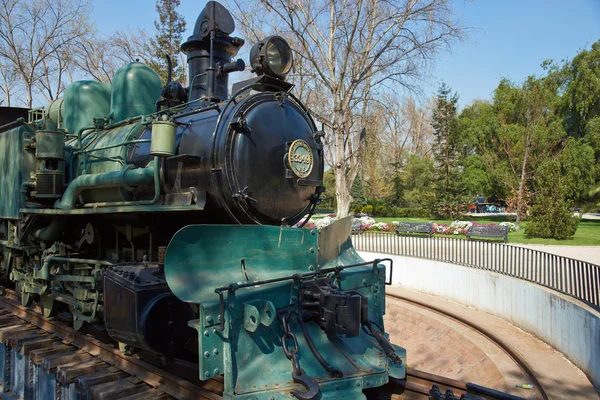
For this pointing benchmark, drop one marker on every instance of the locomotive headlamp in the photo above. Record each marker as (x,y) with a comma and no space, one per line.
(272,56)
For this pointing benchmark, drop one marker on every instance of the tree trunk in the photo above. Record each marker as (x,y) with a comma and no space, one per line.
(342,186)
(522,182)
(342,191)
(29,95)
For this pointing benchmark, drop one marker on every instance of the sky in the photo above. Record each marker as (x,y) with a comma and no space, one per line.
(508,38)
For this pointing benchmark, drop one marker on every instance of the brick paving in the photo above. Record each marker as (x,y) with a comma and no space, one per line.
(444,347)
(438,348)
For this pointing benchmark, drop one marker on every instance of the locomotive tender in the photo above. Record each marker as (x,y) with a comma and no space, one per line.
(165,217)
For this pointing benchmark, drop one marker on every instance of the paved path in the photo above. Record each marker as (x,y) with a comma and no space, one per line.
(441,346)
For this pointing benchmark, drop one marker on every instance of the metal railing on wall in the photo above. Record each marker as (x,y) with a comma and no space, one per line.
(576,278)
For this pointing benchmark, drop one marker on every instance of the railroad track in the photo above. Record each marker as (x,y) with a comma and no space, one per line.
(507,349)
(45,358)
(39,356)
(420,385)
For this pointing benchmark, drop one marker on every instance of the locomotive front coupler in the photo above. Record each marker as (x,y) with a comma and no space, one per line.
(339,311)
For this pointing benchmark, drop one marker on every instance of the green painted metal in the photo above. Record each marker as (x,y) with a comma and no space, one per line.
(102,152)
(54,114)
(16,164)
(84,101)
(118,179)
(268,252)
(135,89)
(164,134)
(50,144)
(136,209)
(99,150)
(201,258)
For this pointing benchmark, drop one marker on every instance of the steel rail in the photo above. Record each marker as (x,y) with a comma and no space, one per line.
(523,364)
(175,383)
(148,373)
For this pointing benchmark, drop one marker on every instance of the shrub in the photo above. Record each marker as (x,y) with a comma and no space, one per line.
(368,209)
(551,215)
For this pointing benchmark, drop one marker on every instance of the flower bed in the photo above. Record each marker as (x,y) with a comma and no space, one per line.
(369,224)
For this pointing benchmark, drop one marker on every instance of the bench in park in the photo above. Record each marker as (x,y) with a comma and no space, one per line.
(415,227)
(493,231)
(356,227)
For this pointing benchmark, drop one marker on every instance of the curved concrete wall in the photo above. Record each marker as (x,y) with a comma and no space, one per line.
(568,325)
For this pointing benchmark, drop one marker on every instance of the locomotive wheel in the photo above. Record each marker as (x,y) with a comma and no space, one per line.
(78,323)
(26,299)
(49,305)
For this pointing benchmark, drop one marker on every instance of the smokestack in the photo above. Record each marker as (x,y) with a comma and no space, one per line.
(209,46)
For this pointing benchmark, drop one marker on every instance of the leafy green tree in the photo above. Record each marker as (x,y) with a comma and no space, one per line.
(581,100)
(475,177)
(580,109)
(578,165)
(477,123)
(169,29)
(329,182)
(527,132)
(551,215)
(418,178)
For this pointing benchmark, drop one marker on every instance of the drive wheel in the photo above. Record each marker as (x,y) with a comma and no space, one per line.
(26,298)
(78,323)
(49,305)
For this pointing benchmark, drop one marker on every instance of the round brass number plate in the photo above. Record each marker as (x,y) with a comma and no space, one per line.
(300,158)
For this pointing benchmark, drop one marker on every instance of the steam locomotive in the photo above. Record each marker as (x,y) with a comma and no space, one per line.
(165,216)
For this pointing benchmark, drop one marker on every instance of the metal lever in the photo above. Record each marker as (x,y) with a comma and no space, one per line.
(243,195)
(312,387)
(389,350)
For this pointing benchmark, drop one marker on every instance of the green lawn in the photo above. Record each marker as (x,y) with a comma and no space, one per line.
(588,232)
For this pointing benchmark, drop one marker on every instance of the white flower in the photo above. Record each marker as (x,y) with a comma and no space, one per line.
(366,220)
(511,227)
(323,222)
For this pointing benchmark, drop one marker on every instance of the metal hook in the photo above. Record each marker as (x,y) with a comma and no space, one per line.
(312,388)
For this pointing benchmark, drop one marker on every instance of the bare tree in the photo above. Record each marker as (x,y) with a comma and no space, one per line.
(419,131)
(8,84)
(100,57)
(349,48)
(33,37)
(55,73)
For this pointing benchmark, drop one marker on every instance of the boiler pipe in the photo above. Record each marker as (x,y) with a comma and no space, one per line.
(125,178)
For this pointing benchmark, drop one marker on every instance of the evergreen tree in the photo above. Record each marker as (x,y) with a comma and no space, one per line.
(551,215)
(169,29)
(358,193)
(446,152)
(445,125)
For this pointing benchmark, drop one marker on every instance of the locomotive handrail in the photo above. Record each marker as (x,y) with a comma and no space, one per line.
(112,146)
(18,121)
(296,277)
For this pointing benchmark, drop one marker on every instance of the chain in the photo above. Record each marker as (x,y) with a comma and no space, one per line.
(289,343)
(288,336)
